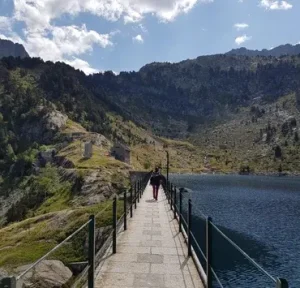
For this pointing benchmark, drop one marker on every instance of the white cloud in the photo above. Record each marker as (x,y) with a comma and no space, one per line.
(275,5)
(38,13)
(241,39)
(78,40)
(5,23)
(143,28)
(138,39)
(241,26)
(42,38)
(12,37)
(57,43)
(82,65)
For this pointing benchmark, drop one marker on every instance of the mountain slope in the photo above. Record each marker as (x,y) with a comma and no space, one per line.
(47,111)
(263,137)
(45,106)
(178,101)
(8,48)
(171,99)
(281,50)
(221,113)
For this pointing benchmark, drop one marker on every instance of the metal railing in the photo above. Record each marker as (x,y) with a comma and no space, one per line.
(94,257)
(185,227)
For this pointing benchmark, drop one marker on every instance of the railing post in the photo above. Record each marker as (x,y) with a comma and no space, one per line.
(115,226)
(168,163)
(131,200)
(171,195)
(138,191)
(140,194)
(167,191)
(135,188)
(175,201)
(8,282)
(209,252)
(91,272)
(189,228)
(281,283)
(180,211)
(125,210)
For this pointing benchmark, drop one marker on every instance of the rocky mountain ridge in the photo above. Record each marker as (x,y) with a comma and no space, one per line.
(287,49)
(8,48)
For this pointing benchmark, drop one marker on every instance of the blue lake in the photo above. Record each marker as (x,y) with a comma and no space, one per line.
(261,214)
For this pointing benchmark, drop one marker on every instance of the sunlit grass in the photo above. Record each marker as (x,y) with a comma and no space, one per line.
(26,241)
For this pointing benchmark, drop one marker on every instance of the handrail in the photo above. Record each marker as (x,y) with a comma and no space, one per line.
(238,248)
(184,220)
(52,250)
(120,219)
(105,208)
(202,214)
(203,255)
(83,274)
(217,278)
(93,255)
(207,257)
(60,244)
(244,253)
(199,248)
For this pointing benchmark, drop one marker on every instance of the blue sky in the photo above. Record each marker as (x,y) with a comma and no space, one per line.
(118,35)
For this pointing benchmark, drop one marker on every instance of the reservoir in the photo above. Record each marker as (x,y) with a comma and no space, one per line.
(261,214)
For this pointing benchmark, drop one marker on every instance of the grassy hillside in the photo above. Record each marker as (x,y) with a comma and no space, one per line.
(254,135)
(26,241)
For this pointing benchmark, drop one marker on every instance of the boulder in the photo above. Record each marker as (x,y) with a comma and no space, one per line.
(47,274)
(3,273)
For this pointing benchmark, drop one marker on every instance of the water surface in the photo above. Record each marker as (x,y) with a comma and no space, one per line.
(261,214)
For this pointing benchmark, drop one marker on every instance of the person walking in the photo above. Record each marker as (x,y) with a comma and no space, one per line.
(155,181)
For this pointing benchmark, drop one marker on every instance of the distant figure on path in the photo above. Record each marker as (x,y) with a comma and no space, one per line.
(155,180)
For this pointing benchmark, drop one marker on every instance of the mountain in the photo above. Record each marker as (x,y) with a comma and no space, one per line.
(218,113)
(281,50)
(47,112)
(173,99)
(239,111)
(8,48)
(46,106)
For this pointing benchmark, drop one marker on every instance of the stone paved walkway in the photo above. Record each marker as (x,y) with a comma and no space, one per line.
(151,253)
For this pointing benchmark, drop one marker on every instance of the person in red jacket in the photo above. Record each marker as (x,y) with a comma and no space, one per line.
(155,181)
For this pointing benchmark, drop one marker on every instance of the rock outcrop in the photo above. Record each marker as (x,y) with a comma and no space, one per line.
(47,274)
(45,129)
(8,48)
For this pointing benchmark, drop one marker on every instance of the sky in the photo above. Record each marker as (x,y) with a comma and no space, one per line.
(124,35)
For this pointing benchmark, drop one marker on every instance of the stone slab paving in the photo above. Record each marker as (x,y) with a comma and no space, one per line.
(151,253)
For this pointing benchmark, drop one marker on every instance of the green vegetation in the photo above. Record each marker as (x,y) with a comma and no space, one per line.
(99,159)
(43,193)
(212,114)
(26,241)
(73,127)
(264,144)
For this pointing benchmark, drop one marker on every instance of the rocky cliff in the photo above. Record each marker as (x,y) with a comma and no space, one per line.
(8,48)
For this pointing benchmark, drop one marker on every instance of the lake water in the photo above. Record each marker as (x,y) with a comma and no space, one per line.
(261,214)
